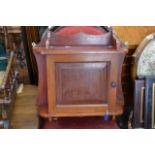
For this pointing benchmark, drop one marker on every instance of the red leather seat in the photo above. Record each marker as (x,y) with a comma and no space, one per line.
(69,30)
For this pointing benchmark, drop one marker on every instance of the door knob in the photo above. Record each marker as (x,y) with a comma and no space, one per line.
(113,84)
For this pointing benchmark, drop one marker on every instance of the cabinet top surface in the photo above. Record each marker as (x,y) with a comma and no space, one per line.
(76,49)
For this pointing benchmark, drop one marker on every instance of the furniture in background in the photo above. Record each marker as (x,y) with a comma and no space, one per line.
(11,39)
(17,111)
(132,37)
(8,84)
(30,34)
(79,72)
(143,72)
(8,73)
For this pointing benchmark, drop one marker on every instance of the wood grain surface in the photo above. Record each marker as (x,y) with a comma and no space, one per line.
(24,114)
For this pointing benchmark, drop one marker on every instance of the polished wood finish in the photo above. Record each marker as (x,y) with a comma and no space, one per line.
(78,84)
(80,39)
(73,87)
(79,76)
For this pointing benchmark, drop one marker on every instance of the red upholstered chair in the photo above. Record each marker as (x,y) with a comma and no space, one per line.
(79,72)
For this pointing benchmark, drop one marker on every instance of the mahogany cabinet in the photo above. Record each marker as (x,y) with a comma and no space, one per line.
(79,72)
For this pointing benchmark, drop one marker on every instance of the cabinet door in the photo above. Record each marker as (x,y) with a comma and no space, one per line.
(82,84)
